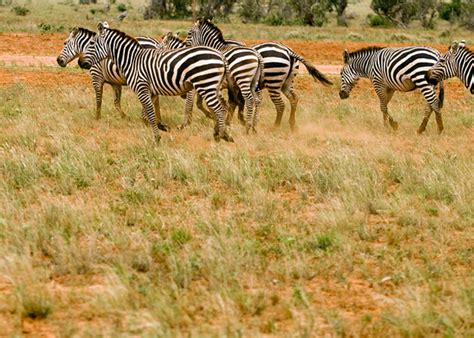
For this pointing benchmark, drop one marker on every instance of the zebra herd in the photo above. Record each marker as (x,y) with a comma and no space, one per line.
(205,63)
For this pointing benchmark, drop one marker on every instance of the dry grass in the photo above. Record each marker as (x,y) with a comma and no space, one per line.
(341,229)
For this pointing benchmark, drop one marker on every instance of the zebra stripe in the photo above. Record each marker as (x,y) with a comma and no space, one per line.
(151,72)
(457,61)
(394,69)
(103,72)
(244,64)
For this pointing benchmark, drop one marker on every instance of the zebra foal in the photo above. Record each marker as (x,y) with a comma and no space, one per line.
(457,61)
(103,72)
(394,69)
(151,72)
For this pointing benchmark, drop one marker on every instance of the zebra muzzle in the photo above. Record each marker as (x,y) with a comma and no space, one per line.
(343,95)
(84,64)
(61,62)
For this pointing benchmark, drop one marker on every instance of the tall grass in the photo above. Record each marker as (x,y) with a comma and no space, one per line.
(343,228)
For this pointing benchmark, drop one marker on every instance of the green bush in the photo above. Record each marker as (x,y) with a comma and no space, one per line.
(20,10)
(375,20)
(121,7)
(450,11)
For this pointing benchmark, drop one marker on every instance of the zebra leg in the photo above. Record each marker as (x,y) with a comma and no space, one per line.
(275,96)
(385,95)
(250,104)
(117,99)
(201,107)
(258,102)
(188,110)
(156,104)
(147,102)
(423,124)
(213,101)
(433,105)
(98,85)
(290,94)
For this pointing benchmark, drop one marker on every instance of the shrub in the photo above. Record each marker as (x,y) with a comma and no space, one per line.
(20,10)
(375,20)
(450,11)
(121,7)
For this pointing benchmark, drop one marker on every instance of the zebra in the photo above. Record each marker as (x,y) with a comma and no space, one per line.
(103,72)
(152,72)
(394,69)
(457,61)
(245,68)
(280,66)
(170,41)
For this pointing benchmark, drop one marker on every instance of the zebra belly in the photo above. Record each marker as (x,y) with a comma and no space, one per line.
(109,72)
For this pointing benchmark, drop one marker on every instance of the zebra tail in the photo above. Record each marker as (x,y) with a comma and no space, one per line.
(441,94)
(316,74)
(261,77)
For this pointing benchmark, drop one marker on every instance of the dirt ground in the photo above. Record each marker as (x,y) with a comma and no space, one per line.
(45,48)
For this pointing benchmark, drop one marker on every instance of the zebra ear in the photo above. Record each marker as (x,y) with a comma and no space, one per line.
(345,56)
(101,26)
(74,31)
(454,47)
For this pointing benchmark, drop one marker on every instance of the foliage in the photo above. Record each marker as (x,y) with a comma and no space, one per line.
(20,10)
(251,11)
(402,12)
(375,20)
(121,7)
(450,11)
(167,9)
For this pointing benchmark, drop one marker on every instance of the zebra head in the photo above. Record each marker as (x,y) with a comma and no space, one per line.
(205,33)
(445,67)
(194,37)
(349,76)
(171,41)
(97,49)
(75,45)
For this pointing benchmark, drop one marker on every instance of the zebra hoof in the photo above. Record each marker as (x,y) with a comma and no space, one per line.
(228,138)
(157,139)
(163,127)
(420,131)
(394,125)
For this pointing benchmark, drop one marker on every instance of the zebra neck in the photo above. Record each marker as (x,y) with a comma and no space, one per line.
(362,67)
(464,70)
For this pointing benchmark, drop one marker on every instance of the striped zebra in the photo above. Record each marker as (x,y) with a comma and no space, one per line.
(394,69)
(151,72)
(103,72)
(245,68)
(280,66)
(457,61)
(170,41)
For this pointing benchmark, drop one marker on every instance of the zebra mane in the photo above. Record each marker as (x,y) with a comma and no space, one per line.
(365,51)
(76,30)
(468,51)
(124,35)
(206,23)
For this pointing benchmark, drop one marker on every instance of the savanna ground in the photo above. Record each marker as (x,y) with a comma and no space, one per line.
(340,229)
